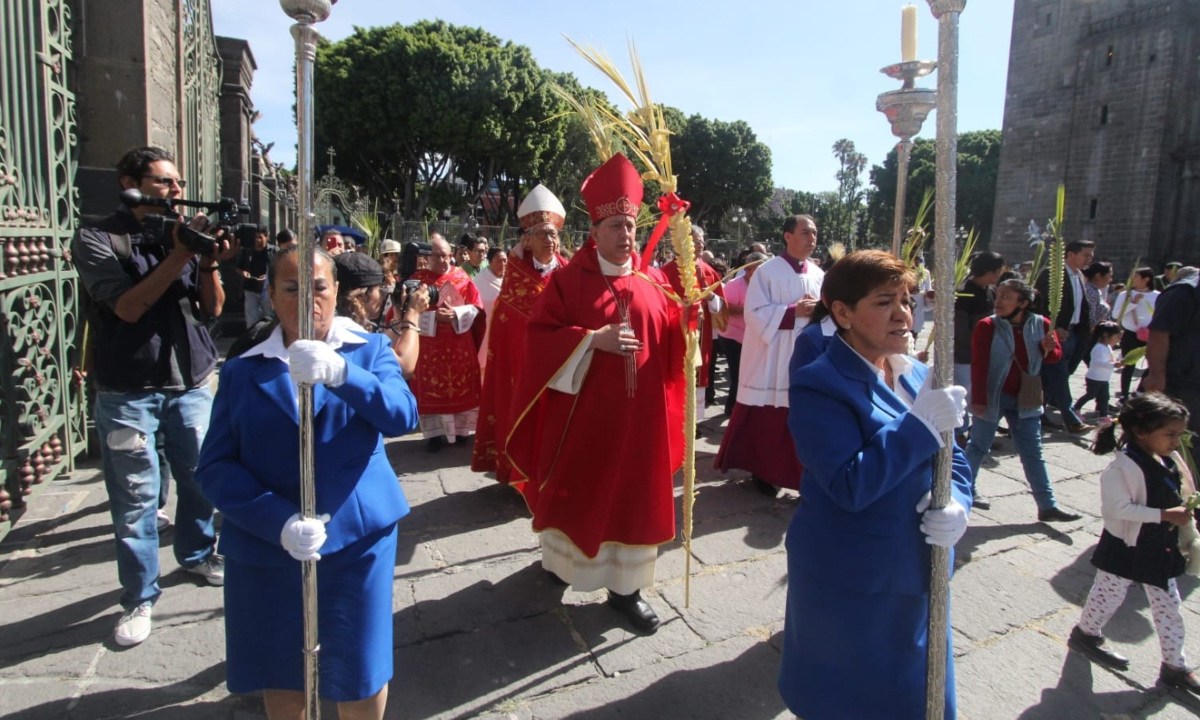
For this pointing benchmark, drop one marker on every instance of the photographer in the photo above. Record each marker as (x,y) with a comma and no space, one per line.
(152,360)
(361,297)
(253,265)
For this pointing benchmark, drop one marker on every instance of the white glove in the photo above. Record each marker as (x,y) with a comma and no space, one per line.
(942,527)
(940,408)
(314,362)
(303,537)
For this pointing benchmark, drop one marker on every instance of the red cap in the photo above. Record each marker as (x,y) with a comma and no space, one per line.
(614,188)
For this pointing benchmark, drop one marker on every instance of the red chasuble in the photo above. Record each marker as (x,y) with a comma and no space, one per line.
(705,276)
(600,463)
(505,357)
(446,380)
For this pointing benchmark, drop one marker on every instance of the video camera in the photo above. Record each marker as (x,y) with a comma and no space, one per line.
(160,228)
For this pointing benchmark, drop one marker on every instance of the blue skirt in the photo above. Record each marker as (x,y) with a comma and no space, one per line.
(852,655)
(264,630)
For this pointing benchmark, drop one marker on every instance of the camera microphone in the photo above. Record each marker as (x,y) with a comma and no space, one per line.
(133,197)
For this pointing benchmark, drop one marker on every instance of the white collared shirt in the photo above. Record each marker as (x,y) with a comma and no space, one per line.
(341,332)
(1077,294)
(614,270)
(900,365)
(544,268)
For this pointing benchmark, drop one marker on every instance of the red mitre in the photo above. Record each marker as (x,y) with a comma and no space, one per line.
(614,188)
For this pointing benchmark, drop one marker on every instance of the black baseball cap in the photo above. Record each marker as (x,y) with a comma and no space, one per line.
(357,270)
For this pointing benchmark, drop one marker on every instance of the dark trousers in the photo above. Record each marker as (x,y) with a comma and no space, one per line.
(1096,390)
(1056,376)
(710,390)
(733,356)
(1129,341)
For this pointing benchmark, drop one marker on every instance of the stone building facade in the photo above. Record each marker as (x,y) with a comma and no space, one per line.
(1104,96)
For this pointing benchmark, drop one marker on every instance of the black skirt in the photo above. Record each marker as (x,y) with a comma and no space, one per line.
(1153,561)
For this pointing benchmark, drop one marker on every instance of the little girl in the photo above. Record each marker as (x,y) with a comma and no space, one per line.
(1142,501)
(1100,367)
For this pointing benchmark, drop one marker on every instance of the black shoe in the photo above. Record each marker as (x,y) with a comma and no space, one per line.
(464,438)
(435,444)
(1003,432)
(978,503)
(1080,428)
(1179,677)
(764,487)
(1057,514)
(1094,647)
(699,431)
(636,610)
(1050,424)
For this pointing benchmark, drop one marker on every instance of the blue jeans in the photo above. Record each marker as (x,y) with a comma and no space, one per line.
(1056,377)
(1027,434)
(129,425)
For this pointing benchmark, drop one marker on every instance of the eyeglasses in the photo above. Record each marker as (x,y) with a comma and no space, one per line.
(166,180)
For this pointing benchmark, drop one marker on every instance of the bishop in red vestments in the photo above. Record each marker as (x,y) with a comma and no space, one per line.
(542,217)
(446,380)
(599,407)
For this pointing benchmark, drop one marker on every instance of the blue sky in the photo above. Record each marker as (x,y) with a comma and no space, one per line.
(802,73)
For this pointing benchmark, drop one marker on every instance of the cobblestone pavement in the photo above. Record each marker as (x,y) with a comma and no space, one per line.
(480,633)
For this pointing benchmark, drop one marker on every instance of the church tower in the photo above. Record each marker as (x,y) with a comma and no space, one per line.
(1104,96)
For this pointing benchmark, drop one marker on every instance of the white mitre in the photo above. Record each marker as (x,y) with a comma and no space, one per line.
(541,206)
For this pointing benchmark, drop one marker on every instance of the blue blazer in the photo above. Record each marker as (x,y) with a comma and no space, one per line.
(867,462)
(250,462)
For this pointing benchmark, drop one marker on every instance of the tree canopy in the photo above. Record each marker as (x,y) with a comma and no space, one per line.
(978,167)
(440,117)
(720,165)
(434,108)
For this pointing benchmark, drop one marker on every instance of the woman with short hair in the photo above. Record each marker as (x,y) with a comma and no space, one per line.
(1132,309)
(249,469)
(867,426)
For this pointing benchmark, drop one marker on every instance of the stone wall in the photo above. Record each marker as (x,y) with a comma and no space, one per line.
(1101,96)
(126,76)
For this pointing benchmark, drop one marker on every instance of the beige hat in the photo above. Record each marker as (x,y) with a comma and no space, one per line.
(541,206)
(389,246)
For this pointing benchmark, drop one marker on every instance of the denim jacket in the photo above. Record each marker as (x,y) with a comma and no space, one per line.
(1000,360)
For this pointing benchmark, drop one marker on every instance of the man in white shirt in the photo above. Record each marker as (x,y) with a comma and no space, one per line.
(779,301)
(489,280)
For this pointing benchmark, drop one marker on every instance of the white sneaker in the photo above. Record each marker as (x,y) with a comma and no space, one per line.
(134,626)
(212,569)
(164,521)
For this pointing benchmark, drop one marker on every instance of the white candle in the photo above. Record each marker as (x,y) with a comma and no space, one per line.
(908,33)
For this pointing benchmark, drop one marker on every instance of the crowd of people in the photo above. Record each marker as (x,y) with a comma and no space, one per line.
(565,372)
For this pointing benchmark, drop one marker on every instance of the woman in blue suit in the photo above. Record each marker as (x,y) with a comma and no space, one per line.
(249,468)
(867,427)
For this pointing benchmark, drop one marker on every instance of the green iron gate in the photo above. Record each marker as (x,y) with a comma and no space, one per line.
(42,413)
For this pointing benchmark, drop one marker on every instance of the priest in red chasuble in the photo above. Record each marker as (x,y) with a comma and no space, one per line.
(446,380)
(713,309)
(599,407)
(542,216)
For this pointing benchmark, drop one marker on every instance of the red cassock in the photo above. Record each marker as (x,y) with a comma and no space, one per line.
(446,380)
(522,286)
(600,463)
(705,277)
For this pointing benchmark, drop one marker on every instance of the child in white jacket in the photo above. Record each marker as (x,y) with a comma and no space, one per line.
(1143,493)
